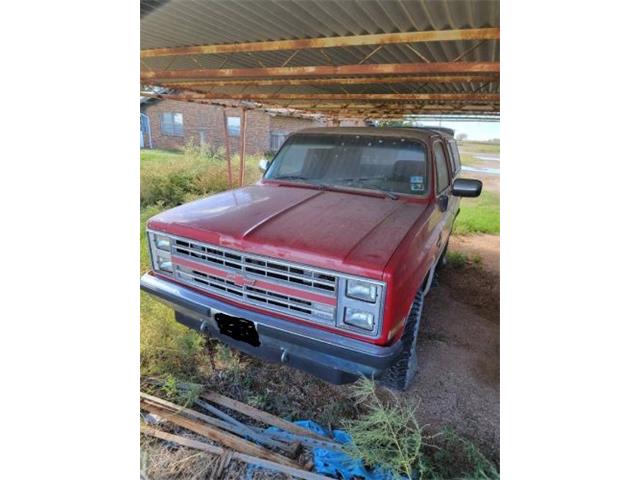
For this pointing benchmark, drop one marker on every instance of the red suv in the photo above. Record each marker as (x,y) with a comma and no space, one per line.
(324,263)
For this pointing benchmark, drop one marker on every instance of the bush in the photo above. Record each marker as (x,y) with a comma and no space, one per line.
(387,434)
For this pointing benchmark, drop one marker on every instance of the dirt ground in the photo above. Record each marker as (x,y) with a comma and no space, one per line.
(458,381)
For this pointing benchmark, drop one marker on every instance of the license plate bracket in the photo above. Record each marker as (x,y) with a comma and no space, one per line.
(237,328)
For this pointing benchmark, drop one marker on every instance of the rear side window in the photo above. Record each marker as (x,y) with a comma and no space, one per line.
(455,156)
(442,172)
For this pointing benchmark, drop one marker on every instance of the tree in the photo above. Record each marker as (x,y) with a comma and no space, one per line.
(461,137)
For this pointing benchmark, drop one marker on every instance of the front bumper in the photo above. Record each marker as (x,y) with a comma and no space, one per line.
(331,357)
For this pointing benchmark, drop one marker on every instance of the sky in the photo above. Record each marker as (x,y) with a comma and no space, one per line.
(474,130)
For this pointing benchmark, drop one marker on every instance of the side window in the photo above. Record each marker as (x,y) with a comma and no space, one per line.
(442,172)
(453,147)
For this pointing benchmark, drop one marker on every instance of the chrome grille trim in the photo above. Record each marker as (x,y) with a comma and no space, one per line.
(255,296)
(260,267)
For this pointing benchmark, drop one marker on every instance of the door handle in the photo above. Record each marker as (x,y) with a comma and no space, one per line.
(439,242)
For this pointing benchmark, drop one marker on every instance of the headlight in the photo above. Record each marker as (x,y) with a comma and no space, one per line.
(163,243)
(165,264)
(160,248)
(358,318)
(361,290)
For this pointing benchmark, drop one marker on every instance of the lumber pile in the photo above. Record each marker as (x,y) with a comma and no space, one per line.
(234,439)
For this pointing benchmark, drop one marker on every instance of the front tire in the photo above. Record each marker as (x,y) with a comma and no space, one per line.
(399,375)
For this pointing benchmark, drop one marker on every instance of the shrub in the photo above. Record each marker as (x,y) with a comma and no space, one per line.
(170,179)
(387,434)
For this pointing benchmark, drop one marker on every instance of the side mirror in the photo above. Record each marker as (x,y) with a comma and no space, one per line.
(466,187)
(263,164)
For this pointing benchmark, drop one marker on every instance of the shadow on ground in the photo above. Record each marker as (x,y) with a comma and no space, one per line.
(458,381)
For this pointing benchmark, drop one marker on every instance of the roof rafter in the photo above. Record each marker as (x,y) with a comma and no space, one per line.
(480,97)
(334,81)
(329,42)
(328,70)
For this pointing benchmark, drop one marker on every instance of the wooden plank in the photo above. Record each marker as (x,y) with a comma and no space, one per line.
(260,415)
(329,42)
(229,423)
(327,70)
(212,433)
(246,431)
(215,450)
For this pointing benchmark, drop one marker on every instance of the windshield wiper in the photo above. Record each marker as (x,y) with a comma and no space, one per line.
(389,194)
(290,177)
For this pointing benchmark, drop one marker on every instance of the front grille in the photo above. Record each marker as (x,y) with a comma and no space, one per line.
(286,273)
(255,267)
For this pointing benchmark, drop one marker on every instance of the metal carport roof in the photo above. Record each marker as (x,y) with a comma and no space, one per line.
(348,58)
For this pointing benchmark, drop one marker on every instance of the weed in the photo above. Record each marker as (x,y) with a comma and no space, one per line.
(476,259)
(457,259)
(228,360)
(461,458)
(258,400)
(181,393)
(172,178)
(387,434)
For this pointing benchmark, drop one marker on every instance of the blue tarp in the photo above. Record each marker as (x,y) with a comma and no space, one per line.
(333,463)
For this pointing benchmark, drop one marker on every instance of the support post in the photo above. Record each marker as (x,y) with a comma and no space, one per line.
(243,136)
(227,148)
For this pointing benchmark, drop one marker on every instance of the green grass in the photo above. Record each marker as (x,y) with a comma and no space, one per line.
(167,348)
(468,160)
(457,259)
(167,179)
(479,215)
(480,147)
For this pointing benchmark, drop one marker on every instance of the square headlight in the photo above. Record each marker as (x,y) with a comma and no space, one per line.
(163,243)
(359,318)
(361,290)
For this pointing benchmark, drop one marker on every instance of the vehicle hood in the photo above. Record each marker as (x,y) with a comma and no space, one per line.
(346,232)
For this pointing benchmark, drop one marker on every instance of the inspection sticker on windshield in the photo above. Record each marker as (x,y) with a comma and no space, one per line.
(417,184)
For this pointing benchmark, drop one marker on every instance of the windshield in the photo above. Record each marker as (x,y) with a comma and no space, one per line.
(391,164)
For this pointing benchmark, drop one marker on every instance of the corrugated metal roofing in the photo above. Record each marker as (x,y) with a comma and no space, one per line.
(180,23)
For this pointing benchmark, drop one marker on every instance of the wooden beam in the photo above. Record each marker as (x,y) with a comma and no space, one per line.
(229,423)
(216,435)
(329,42)
(326,70)
(457,97)
(260,415)
(215,450)
(293,82)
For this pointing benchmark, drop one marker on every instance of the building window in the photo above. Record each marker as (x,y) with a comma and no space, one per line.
(171,124)
(277,139)
(233,126)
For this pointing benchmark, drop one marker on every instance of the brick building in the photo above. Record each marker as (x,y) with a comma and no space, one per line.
(171,124)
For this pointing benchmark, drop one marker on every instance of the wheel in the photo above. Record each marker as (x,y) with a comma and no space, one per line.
(399,375)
